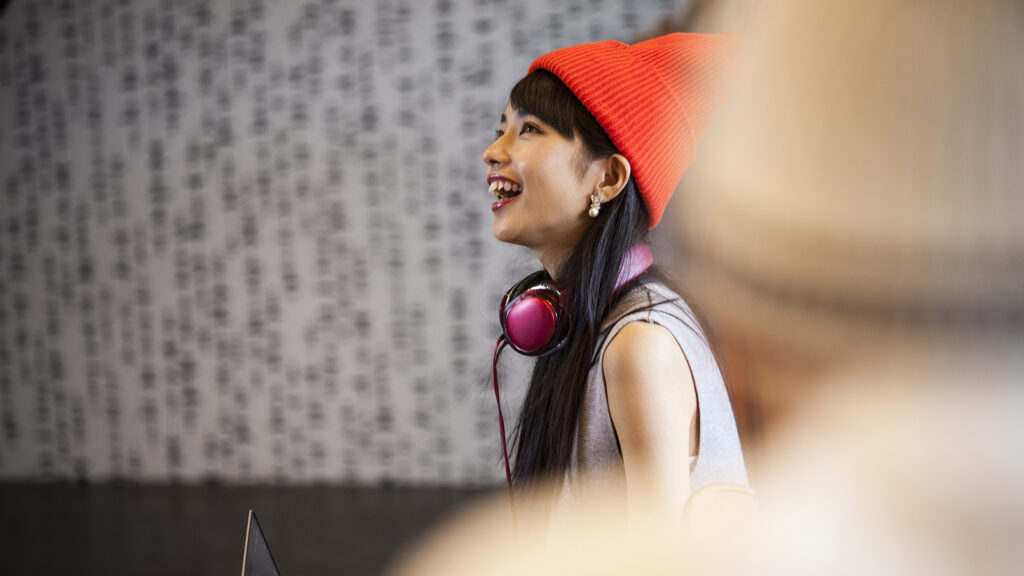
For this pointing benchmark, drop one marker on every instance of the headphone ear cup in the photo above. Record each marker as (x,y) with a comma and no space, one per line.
(531,322)
(532,319)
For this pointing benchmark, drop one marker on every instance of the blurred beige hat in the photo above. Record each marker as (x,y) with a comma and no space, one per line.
(867,172)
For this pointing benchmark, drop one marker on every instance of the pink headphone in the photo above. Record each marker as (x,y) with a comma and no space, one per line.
(533,321)
(532,316)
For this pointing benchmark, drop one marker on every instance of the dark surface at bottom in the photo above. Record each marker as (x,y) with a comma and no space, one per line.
(174,529)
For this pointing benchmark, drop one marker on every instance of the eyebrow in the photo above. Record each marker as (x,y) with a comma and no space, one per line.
(504,118)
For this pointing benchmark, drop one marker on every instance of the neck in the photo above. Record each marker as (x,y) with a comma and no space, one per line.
(552,259)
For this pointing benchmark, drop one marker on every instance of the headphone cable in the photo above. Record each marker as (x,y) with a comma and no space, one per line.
(498,347)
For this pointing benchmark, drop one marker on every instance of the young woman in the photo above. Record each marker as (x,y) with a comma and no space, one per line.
(590,147)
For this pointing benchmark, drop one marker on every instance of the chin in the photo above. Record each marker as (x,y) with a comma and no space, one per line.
(503,234)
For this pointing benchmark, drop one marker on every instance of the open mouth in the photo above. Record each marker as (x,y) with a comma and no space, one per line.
(505,189)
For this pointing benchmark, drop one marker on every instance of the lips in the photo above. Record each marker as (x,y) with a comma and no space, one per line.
(497,205)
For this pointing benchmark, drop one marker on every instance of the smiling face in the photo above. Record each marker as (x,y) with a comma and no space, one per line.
(555,179)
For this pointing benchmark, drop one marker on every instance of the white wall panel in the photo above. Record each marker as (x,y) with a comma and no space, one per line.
(250,240)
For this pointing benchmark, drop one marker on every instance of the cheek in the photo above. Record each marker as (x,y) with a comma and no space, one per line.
(554,182)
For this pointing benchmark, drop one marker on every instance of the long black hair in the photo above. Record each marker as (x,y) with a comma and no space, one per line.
(546,429)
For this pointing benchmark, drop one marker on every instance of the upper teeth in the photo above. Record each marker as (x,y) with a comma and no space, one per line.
(498,187)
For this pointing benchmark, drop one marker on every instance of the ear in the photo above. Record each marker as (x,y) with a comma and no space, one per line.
(616,173)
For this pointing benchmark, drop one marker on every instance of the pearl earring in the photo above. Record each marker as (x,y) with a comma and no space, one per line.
(595,204)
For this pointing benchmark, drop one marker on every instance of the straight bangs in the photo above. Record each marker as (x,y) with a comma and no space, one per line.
(543,95)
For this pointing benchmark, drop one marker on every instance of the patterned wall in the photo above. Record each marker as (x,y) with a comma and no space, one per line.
(250,240)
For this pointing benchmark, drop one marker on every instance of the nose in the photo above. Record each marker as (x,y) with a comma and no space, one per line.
(496,155)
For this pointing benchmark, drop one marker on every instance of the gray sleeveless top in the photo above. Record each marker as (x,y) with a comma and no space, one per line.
(596,451)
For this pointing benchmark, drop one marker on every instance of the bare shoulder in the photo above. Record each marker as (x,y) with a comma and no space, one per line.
(643,350)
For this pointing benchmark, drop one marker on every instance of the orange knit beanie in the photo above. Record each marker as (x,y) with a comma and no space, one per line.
(655,99)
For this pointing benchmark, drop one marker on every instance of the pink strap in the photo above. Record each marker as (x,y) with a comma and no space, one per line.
(635,263)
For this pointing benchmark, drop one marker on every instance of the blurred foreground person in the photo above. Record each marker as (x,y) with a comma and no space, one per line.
(874,275)
(856,216)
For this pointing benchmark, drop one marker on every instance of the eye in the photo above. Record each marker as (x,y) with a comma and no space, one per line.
(498,134)
(529,127)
